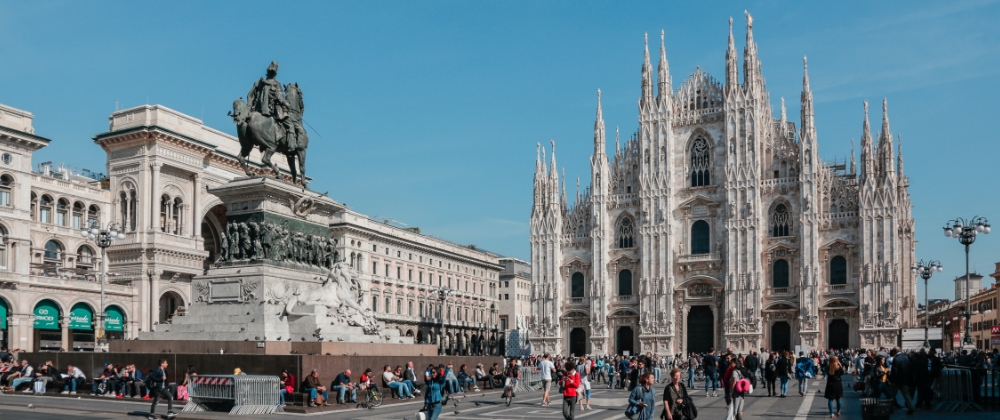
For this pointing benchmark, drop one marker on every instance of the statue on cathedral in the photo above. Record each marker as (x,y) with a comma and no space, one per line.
(271,120)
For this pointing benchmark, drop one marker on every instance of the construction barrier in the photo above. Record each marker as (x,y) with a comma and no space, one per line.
(531,379)
(955,389)
(238,394)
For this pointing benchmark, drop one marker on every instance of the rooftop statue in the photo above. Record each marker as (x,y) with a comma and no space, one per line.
(272,121)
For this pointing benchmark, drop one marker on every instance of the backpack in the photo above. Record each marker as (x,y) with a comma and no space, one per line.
(773,367)
(745,372)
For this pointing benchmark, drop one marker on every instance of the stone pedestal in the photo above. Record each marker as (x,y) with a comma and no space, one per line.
(278,277)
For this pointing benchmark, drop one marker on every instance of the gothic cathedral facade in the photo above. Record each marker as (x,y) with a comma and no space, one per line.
(717,225)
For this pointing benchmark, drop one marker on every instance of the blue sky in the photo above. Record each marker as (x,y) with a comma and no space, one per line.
(428,112)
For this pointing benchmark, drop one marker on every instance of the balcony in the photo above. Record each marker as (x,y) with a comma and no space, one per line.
(838,289)
(626,299)
(578,301)
(781,291)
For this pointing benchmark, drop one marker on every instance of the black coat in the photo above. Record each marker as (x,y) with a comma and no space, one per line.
(752,363)
(834,385)
(784,368)
(769,374)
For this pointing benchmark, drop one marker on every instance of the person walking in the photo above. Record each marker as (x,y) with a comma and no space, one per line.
(643,396)
(158,387)
(771,375)
(433,398)
(583,368)
(804,369)
(710,364)
(784,365)
(546,367)
(571,381)
(737,387)
(899,379)
(692,363)
(834,385)
(673,397)
(752,363)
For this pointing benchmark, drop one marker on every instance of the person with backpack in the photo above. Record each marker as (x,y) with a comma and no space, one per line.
(771,375)
(737,387)
(804,369)
(158,387)
(752,363)
(677,405)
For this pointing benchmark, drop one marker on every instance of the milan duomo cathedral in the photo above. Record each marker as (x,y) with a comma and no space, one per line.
(717,225)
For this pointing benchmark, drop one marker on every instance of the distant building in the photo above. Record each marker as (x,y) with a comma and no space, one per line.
(515,304)
(961,291)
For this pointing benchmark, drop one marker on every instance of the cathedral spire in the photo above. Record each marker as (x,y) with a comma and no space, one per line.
(784,115)
(853,164)
(663,77)
(577,190)
(618,146)
(899,155)
(647,80)
(599,143)
(751,65)
(554,177)
(867,161)
(564,202)
(808,116)
(885,142)
(732,74)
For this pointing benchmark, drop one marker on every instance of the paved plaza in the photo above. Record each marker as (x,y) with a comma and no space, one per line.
(607,404)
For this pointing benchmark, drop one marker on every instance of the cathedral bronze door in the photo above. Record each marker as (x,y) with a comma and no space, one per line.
(624,341)
(578,342)
(839,334)
(700,329)
(781,336)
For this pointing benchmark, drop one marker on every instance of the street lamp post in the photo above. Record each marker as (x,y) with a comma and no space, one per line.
(966,231)
(443,294)
(926,270)
(103,239)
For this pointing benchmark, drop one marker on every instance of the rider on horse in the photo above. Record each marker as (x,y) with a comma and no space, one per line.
(268,98)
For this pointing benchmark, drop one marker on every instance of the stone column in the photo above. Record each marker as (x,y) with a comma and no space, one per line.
(196,208)
(66,338)
(154,297)
(155,196)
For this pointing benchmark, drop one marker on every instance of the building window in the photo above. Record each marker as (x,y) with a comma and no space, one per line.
(399,273)
(62,208)
(45,212)
(388,304)
(77,219)
(93,216)
(625,283)
(779,275)
(176,221)
(53,253)
(838,270)
(7,158)
(374,268)
(399,306)
(3,248)
(34,207)
(85,257)
(700,238)
(6,183)
(780,221)
(421,307)
(624,230)
(420,275)
(577,285)
(409,307)
(386,272)
(700,163)
(374,303)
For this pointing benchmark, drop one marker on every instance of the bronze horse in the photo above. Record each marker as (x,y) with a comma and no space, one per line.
(256,130)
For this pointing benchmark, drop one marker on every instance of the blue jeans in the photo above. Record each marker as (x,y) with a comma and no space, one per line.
(343,389)
(282,395)
(691,378)
(452,385)
(656,374)
(433,411)
(803,385)
(465,383)
(829,403)
(711,377)
(71,384)
(20,381)
(400,388)
(313,392)
(784,385)
(409,384)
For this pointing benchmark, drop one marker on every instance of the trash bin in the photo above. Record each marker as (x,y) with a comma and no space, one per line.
(876,408)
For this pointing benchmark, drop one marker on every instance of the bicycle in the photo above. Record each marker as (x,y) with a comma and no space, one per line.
(508,391)
(373,398)
(699,374)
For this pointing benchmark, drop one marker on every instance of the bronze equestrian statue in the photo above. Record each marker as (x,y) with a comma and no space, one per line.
(272,121)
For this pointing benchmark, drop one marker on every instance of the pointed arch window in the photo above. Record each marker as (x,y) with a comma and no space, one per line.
(779,274)
(625,283)
(780,221)
(838,270)
(701,159)
(577,286)
(701,235)
(624,233)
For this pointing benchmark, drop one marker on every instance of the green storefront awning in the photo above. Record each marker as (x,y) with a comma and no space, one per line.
(46,316)
(114,320)
(80,318)
(3,316)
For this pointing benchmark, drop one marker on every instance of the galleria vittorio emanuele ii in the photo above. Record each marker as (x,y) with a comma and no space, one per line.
(716,224)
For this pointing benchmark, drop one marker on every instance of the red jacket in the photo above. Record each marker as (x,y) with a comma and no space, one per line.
(570,383)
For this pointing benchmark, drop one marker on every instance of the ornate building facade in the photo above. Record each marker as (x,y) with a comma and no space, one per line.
(716,224)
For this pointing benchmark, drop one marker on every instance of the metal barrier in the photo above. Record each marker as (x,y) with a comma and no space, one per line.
(955,389)
(531,379)
(238,394)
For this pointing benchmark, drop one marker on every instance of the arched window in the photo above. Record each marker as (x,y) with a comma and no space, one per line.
(577,285)
(165,207)
(176,224)
(3,249)
(779,274)
(780,221)
(6,183)
(62,208)
(701,159)
(85,257)
(93,216)
(624,230)
(388,305)
(45,209)
(409,307)
(77,219)
(53,253)
(838,270)
(701,235)
(625,283)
